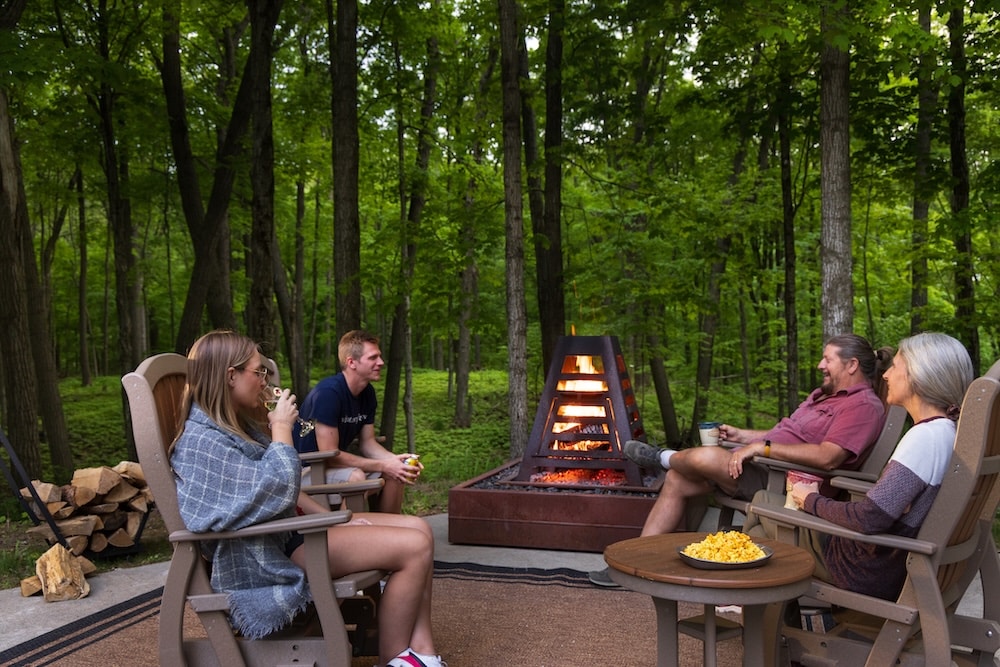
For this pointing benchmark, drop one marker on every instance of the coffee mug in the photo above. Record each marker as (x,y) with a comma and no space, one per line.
(709,432)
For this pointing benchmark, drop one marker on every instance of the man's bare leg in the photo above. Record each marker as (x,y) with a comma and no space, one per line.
(667,514)
(693,472)
(389,499)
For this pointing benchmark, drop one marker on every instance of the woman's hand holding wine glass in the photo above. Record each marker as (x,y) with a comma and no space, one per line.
(281,406)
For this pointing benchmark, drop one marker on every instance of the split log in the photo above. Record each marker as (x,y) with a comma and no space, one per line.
(83,524)
(114,520)
(101,480)
(31,586)
(132,471)
(121,492)
(47,493)
(98,542)
(61,575)
(102,508)
(60,510)
(78,543)
(139,504)
(120,539)
(86,565)
(133,523)
(78,496)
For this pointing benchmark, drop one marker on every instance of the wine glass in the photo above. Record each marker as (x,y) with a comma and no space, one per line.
(270,397)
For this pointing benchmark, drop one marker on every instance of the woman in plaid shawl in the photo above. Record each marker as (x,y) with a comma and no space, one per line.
(231,475)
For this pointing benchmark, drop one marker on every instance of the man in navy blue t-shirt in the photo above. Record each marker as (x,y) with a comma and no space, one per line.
(343,408)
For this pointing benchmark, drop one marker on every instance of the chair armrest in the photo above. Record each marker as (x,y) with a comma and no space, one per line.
(836,472)
(856,485)
(775,464)
(312,457)
(800,519)
(308,523)
(344,488)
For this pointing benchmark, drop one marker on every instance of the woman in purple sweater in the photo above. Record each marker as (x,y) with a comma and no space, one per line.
(929,376)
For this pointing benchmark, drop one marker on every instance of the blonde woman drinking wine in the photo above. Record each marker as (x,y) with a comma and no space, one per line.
(230,475)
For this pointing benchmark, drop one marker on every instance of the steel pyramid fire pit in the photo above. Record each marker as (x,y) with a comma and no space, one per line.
(574,489)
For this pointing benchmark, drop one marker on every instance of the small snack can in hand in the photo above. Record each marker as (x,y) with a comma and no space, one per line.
(412,460)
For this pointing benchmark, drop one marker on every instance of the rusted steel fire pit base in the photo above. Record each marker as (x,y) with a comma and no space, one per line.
(486,510)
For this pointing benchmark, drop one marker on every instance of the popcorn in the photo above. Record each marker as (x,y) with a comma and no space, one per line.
(730,546)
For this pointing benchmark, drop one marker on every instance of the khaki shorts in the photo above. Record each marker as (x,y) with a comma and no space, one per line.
(752,480)
(337,475)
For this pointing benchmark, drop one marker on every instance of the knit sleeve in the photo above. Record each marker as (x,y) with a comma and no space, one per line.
(897,484)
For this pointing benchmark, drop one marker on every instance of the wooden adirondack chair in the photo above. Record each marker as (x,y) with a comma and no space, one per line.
(153,392)
(955,543)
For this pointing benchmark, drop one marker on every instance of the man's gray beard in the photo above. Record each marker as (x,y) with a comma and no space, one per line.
(827,387)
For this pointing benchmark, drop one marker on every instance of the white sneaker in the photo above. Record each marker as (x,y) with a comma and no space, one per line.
(408,659)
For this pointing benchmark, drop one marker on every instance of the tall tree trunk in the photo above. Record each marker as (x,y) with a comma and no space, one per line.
(709,326)
(207,224)
(966,319)
(835,172)
(294,319)
(788,237)
(42,351)
(661,383)
(343,35)
(83,329)
(548,234)
(469,283)
(400,344)
(718,254)
(647,310)
(19,381)
(533,167)
(517,318)
(922,181)
(114,161)
(115,164)
(545,195)
(470,271)
(264,256)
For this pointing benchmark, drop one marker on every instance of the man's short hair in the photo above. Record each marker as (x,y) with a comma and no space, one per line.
(352,345)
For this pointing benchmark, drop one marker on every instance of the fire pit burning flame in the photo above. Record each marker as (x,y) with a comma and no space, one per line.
(582,364)
(581,446)
(581,477)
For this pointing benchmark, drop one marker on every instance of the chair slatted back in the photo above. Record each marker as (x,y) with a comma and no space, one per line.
(971,489)
(154,393)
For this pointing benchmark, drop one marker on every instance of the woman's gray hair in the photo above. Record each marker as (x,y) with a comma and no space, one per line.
(940,369)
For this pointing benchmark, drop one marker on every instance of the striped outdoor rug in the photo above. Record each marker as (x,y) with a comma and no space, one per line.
(482,616)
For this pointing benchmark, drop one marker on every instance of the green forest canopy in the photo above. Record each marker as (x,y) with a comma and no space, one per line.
(659,105)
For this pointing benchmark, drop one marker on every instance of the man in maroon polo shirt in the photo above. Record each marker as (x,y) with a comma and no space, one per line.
(832,428)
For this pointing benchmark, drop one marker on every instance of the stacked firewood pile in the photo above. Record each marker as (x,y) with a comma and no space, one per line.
(102,508)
